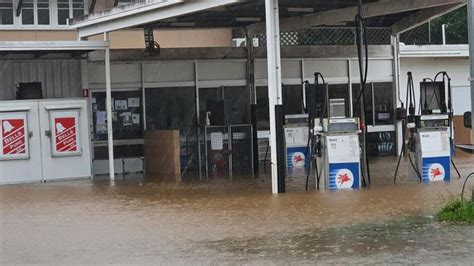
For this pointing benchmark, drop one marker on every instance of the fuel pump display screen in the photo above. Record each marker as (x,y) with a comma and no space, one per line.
(14,135)
(65,139)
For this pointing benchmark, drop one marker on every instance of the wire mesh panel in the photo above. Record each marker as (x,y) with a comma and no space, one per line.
(241,150)
(327,36)
(189,154)
(419,36)
(330,36)
(217,152)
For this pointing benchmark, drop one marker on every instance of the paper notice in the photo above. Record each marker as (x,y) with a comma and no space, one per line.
(126,118)
(121,105)
(133,102)
(136,119)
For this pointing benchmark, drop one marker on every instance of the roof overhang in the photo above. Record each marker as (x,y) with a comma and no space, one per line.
(416,51)
(27,50)
(53,45)
(401,15)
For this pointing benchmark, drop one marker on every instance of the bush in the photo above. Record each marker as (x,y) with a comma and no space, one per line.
(457,211)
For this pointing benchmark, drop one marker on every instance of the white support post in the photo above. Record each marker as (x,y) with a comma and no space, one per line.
(108,101)
(274,79)
(470,17)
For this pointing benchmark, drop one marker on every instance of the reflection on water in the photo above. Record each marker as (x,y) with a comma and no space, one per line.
(230,221)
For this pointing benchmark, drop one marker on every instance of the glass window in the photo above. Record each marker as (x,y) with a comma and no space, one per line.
(227,105)
(237,105)
(368,102)
(171,108)
(124,2)
(127,120)
(77,8)
(43,12)
(263,116)
(210,99)
(63,11)
(6,12)
(293,99)
(340,91)
(383,103)
(27,13)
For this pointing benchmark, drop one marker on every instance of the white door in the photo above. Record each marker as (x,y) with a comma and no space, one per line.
(65,139)
(20,150)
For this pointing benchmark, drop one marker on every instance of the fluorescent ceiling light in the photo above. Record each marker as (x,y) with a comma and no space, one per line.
(301,9)
(247,19)
(183,24)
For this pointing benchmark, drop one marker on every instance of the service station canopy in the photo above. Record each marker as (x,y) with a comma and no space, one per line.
(400,15)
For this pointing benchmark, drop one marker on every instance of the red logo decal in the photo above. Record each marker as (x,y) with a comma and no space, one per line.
(65,134)
(341,179)
(13,136)
(435,172)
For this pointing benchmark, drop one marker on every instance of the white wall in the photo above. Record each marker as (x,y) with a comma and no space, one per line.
(59,78)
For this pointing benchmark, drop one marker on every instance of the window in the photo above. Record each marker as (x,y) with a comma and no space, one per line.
(63,11)
(124,2)
(292,99)
(340,91)
(40,12)
(378,103)
(263,112)
(6,12)
(43,12)
(27,12)
(77,8)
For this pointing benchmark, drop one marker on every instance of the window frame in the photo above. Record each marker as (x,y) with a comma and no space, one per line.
(53,17)
(14,17)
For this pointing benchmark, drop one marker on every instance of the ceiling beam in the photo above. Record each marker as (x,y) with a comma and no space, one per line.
(380,8)
(422,17)
(141,14)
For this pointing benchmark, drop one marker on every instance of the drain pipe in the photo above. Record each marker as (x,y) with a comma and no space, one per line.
(443,30)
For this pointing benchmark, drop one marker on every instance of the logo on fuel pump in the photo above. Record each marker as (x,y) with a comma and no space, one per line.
(436,172)
(344,179)
(298,159)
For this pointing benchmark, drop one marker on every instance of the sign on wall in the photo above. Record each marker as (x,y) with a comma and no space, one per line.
(14,136)
(65,139)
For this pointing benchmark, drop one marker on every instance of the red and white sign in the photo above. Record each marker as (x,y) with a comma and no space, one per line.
(65,133)
(14,136)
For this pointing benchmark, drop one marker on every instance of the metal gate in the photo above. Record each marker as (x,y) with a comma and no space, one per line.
(227,151)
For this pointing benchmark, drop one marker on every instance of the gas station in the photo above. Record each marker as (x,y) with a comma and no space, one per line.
(314,111)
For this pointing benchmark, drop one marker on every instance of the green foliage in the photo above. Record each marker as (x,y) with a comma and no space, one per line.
(457,28)
(457,211)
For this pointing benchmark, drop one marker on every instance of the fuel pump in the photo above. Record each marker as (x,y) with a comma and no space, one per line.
(430,143)
(334,140)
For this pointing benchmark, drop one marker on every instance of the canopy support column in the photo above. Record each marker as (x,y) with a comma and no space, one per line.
(108,103)
(274,81)
(470,17)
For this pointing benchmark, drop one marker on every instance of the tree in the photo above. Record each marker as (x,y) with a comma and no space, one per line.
(456,30)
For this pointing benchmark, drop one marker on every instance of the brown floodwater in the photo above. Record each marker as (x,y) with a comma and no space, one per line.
(234,222)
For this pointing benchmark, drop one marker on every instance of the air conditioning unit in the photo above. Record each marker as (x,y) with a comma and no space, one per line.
(239,42)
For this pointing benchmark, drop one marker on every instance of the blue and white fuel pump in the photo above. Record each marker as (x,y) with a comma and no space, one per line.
(334,140)
(339,162)
(430,143)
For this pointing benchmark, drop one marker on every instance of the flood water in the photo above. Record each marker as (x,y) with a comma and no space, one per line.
(232,222)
